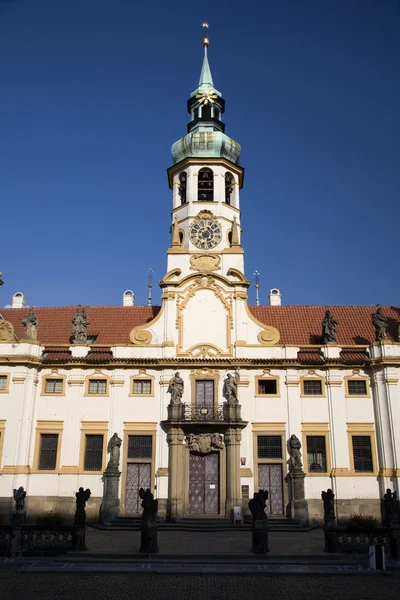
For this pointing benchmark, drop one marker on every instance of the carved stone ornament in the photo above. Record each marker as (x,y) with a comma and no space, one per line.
(205,442)
(269,336)
(6,331)
(80,324)
(140,337)
(204,351)
(205,263)
(31,324)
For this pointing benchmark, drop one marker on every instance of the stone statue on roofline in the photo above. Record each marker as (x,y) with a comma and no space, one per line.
(31,324)
(80,324)
(379,319)
(329,328)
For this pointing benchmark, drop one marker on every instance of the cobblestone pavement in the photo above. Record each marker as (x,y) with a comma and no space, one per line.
(224,542)
(207,587)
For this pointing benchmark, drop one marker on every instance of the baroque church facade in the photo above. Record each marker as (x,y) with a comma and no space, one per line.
(205,391)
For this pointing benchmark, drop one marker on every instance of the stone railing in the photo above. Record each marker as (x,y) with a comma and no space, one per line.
(361,541)
(34,539)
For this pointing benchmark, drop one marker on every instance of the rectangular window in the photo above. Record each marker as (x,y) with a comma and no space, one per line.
(267,387)
(142,386)
(54,386)
(357,387)
(97,386)
(312,387)
(48,451)
(94,452)
(245,491)
(140,446)
(362,453)
(269,446)
(316,454)
(3,382)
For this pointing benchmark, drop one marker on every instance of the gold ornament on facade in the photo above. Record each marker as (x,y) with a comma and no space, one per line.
(140,337)
(205,263)
(6,331)
(269,336)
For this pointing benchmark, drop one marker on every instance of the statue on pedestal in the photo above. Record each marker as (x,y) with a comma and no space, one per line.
(114,449)
(390,508)
(294,446)
(329,328)
(80,324)
(176,387)
(82,496)
(329,507)
(19,499)
(31,324)
(379,319)
(230,390)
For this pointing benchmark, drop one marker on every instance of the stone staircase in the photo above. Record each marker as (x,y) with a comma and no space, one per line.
(206,523)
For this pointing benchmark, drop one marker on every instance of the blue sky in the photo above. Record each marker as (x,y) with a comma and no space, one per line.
(93,93)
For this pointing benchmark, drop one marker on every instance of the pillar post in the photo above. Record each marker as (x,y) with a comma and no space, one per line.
(232,437)
(175,437)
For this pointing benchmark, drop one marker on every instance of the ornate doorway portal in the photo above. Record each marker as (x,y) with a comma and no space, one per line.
(204,483)
(270,479)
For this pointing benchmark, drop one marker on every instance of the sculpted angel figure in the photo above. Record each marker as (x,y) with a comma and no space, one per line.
(176,387)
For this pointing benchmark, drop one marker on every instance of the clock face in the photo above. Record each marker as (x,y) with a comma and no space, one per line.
(205,234)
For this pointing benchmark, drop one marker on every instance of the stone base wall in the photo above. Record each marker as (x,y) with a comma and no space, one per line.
(37,505)
(345,508)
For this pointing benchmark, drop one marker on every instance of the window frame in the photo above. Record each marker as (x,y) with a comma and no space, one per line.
(92,428)
(312,378)
(97,377)
(269,458)
(357,378)
(259,378)
(141,377)
(47,427)
(87,435)
(261,429)
(316,430)
(212,189)
(51,377)
(368,430)
(7,388)
(144,428)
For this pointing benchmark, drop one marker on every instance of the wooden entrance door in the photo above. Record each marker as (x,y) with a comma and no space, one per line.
(270,479)
(137,476)
(204,483)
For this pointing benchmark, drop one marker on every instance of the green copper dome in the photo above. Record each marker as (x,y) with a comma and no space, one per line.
(206,136)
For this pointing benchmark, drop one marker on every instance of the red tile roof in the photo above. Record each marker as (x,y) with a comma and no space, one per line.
(296,324)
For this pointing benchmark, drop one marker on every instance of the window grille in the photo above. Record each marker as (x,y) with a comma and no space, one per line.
(54,386)
(97,386)
(48,451)
(357,387)
(316,454)
(269,446)
(3,382)
(141,386)
(140,446)
(94,452)
(229,183)
(312,387)
(267,386)
(362,453)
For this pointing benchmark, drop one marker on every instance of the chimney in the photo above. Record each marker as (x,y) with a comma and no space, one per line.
(18,300)
(275,297)
(128,298)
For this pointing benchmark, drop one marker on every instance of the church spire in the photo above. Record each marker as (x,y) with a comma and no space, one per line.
(206,79)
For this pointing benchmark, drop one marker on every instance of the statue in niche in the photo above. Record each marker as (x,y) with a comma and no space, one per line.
(31,324)
(19,499)
(329,328)
(114,449)
(79,326)
(176,387)
(294,446)
(379,319)
(230,390)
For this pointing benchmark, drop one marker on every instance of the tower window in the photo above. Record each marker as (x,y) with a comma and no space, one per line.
(182,187)
(206,112)
(229,183)
(216,113)
(205,185)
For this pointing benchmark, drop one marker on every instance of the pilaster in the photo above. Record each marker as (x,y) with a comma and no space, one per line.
(232,438)
(175,437)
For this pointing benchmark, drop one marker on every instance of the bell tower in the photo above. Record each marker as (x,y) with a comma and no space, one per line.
(205,180)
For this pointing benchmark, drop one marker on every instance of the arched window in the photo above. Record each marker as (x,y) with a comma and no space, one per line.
(205,185)
(206,112)
(195,114)
(230,237)
(181,236)
(216,113)
(182,187)
(229,183)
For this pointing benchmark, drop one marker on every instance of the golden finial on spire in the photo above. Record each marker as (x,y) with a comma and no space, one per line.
(206,41)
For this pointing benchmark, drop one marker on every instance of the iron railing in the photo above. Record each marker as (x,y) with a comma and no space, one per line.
(203,413)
